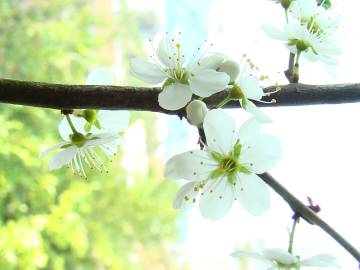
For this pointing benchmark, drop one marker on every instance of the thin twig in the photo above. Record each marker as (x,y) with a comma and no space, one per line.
(298,207)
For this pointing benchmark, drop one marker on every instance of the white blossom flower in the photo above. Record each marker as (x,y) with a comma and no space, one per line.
(102,121)
(314,44)
(308,13)
(183,76)
(246,88)
(79,150)
(281,259)
(225,170)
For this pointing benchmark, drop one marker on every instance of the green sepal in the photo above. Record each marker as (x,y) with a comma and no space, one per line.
(97,124)
(243,103)
(66,146)
(87,127)
(216,174)
(237,150)
(217,156)
(326,4)
(243,169)
(232,178)
(168,82)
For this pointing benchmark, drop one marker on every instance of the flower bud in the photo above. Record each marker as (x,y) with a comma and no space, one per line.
(90,116)
(231,68)
(195,112)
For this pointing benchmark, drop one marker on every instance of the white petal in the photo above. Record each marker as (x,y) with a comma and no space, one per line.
(252,255)
(65,130)
(175,96)
(251,88)
(279,255)
(146,71)
(186,196)
(220,131)
(194,165)
(321,260)
(165,52)
(257,113)
(216,198)
(252,193)
(248,130)
(261,153)
(274,33)
(208,82)
(102,138)
(212,61)
(113,121)
(63,158)
(53,148)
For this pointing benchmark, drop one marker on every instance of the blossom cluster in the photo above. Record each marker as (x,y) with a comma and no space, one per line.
(309,31)
(227,166)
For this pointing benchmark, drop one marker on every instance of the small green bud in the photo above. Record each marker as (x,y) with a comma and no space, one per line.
(90,116)
(195,112)
(231,68)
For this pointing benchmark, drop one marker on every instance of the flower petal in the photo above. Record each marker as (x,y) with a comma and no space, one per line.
(252,193)
(274,33)
(258,114)
(146,71)
(102,138)
(220,131)
(248,130)
(194,165)
(175,96)
(261,153)
(166,50)
(186,196)
(279,255)
(216,199)
(212,61)
(321,260)
(207,82)
(63,158)
(53,148)
(252,255)
(251,88)
(113,121)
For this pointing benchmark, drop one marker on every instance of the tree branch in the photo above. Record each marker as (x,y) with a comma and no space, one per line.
(60,96)
(298,207)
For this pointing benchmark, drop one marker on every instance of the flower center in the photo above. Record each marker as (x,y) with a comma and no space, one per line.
(229,165)
(78,139)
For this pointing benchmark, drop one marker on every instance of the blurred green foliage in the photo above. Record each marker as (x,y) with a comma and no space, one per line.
(57,220)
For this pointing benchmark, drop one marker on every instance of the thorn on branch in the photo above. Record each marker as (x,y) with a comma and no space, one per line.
(315,208)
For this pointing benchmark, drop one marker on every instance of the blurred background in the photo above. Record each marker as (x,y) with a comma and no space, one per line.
(124,219)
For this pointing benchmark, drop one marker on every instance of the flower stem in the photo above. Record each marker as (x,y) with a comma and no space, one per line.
(223,102)
(292,235)
(71,124)
(286,15)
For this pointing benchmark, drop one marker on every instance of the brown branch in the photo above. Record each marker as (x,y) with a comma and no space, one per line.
(298,207)
(60,96)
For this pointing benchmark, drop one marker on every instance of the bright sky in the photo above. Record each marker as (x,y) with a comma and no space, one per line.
(321,143)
